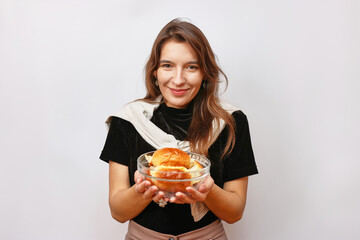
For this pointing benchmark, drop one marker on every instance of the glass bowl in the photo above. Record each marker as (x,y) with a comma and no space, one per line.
(174,180)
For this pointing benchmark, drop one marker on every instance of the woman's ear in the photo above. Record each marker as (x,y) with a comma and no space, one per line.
(155,74)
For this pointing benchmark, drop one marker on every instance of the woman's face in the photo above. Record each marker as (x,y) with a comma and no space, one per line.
(178,75)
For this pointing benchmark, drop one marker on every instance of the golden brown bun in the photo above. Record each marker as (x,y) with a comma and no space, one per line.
(195,166)
(173,164)
(171,173)
(171,157)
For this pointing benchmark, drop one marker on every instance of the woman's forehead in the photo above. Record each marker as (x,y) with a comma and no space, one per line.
(174,50)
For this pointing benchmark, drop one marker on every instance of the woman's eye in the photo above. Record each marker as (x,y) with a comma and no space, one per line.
(193,67)
(166,65)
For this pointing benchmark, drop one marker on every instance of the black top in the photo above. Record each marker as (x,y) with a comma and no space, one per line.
(124,144)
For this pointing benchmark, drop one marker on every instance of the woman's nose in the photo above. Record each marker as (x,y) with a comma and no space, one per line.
(179,77)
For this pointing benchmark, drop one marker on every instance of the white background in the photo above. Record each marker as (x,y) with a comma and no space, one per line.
(293,68)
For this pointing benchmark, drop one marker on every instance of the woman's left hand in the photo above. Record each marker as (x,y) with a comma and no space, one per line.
(194,195)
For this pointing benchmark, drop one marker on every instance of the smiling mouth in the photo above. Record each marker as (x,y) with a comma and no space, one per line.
(178,92)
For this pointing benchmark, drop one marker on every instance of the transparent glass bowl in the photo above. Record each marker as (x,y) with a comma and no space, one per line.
(172,181)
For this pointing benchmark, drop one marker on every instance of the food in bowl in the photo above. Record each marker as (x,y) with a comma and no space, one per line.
(172,170)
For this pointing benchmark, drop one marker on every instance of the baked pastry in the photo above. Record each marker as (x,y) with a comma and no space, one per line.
(172,165)
(171,157)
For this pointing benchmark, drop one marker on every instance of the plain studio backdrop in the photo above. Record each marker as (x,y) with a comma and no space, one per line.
(293,68)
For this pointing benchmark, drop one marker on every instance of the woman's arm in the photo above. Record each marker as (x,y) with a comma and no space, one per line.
(127,202)
(227,204)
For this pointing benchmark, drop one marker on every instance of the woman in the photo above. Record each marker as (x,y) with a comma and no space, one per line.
(181,109)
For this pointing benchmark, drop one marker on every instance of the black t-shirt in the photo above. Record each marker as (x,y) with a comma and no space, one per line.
(124,144)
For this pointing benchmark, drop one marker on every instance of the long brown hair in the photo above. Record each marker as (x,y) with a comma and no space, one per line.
(207,108)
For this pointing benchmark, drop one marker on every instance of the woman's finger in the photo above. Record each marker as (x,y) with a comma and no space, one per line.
(158,196)
(195,194)
(141,187)
(138,177)
(181,198)
(176,200)
(150,192)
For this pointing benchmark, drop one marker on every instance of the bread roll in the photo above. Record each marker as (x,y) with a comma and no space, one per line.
(173,164)
(171,157)
(171,173)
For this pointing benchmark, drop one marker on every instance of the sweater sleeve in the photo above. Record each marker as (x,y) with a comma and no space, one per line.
(116,146)
(241,161)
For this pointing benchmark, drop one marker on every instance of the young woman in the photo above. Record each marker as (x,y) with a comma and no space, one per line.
(181,109)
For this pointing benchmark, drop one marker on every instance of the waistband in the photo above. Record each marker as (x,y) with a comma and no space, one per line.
(213,231)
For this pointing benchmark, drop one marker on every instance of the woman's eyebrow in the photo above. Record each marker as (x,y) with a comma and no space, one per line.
(168,61)
(165,61)
(193,62)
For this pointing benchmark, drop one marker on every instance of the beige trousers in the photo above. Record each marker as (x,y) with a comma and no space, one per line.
(214,231)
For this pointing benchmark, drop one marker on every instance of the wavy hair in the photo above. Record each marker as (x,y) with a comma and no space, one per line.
(207,108)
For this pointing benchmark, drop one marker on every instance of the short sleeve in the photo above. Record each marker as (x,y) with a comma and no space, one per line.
(241,161)
(116,146)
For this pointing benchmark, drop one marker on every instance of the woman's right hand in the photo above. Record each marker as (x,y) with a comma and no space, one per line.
(126,201)
(146,189)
